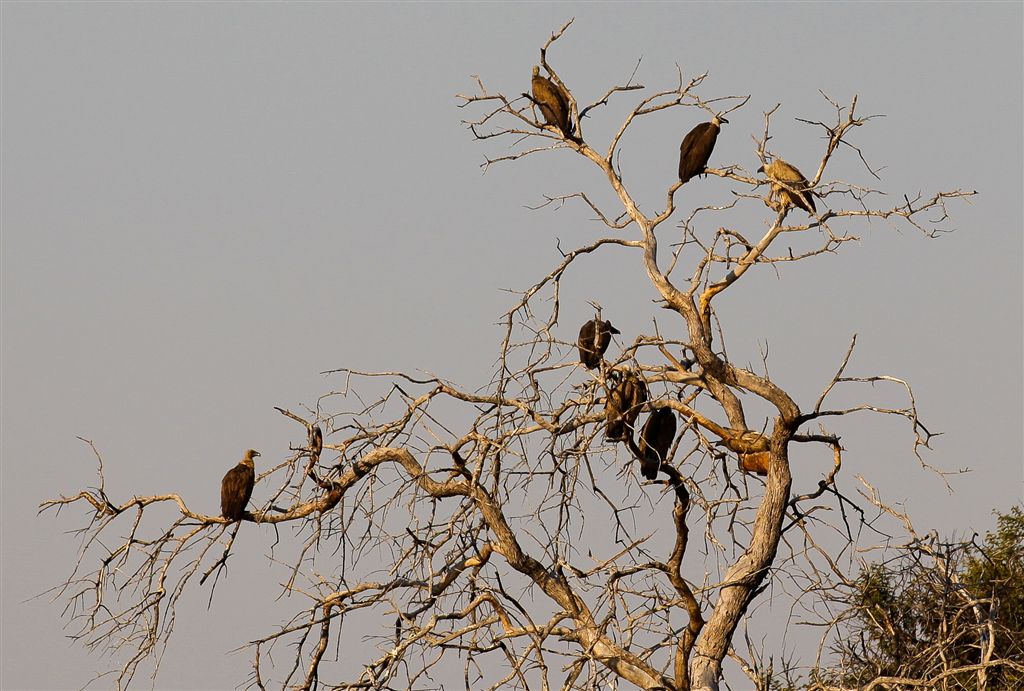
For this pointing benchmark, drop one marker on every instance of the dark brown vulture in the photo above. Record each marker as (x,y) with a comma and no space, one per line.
(655,441)
(799,190)
(551,100)
(236,487)
(594,338)
(623,406)
(316,441)
(696,148)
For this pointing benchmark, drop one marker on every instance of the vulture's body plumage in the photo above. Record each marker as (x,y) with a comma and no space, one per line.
(695,151)
(623,406)
(789,185)
(236,487)
(755,462)
(316,441)
(593,341)
(655,441)
(551,100)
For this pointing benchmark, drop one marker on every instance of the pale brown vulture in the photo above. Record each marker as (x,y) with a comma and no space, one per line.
(236,487)
(623,406)
(593,341)
(799,192)
(695,151)
(746,441)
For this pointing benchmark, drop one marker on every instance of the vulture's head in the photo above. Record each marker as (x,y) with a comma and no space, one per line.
(536,70)
(250,454)
(718,120)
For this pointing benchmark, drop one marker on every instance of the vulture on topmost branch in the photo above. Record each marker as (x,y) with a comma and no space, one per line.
(655,441)
(695,151)
(623,406)
(593,340)
(801,194)
(236,487)
(553,103)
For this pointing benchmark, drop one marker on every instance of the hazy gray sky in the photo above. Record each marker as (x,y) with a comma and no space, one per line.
(207,204)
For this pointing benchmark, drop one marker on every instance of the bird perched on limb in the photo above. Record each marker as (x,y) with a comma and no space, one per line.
(623,406)
(755,462)
(695,151)
(738,440)
(655,441)
(789,185)
(746,441)
(593,341)
(751,447)
(553,103)
(236,487)
(316,441)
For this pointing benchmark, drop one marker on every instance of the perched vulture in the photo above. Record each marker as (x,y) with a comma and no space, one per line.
(778,171)
(746,441)
(594,338)
(696,148)
(623,406)
(656,440)
(316,441)
(236,487)
(755,462)
(551,100)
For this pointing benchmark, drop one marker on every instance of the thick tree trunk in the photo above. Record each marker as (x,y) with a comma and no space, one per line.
(746,575)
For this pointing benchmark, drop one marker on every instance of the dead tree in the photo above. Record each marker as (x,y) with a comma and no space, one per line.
(492,534)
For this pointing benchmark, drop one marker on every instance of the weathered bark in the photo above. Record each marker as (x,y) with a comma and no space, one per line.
(748,572)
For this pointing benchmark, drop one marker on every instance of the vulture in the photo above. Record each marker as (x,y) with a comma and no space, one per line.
(696,148)
(778,171)
(655,441)
(747,441)
(623,406)
(755,462)
(316,441)
(236,487)
(552,101)
(594,338)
